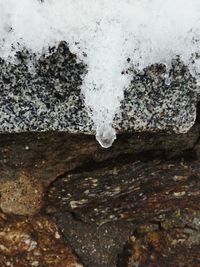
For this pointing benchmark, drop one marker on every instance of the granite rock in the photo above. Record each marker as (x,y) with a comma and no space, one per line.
(48,96)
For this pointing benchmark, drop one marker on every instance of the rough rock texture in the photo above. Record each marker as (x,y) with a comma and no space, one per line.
(123,191)
(151,103)
(154,246)
(45,156)
(165,194)
(33,242)
(65,201)
(96,245)
(21,196)
(49,97)
(135,204)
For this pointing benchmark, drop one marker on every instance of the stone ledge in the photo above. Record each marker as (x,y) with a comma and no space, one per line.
(49,97)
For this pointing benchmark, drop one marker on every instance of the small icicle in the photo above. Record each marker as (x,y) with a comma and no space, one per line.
(105,135)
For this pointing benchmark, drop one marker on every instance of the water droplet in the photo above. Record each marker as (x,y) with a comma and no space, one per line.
(105,135)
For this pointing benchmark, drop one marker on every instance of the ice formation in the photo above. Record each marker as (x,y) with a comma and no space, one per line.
(109,33)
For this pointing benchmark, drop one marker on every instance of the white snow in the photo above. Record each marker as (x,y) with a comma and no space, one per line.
(108,31)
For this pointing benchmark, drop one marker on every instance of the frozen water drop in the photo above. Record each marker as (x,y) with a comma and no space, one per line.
(105,135)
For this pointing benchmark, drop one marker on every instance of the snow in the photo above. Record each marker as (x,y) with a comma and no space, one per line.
(108,32)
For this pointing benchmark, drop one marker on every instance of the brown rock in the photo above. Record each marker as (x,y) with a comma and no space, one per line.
(45,156)
(34,242)
(138,191)
(22,196)
(166,193)
(99,198)
(175,247)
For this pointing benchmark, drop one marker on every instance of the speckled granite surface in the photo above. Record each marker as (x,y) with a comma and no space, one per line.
(50,97)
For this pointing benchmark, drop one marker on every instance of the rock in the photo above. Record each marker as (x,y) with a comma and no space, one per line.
(133,202)
(31,161)
(120,193)
(22,196)
(34,242)
(65,201)
(47,99)
(175,247)
(50,98)
(156,203)
(48,155)
(97,246)
(151,104)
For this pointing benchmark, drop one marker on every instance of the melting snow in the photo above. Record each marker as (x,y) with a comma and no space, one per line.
(108,32)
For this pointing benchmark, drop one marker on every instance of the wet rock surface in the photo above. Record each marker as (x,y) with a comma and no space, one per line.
(47,96)
(65,201)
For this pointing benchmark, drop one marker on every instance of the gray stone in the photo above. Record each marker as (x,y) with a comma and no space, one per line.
(50,98)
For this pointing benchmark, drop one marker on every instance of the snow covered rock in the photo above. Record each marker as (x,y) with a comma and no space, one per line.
(50,98)
(99,68)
